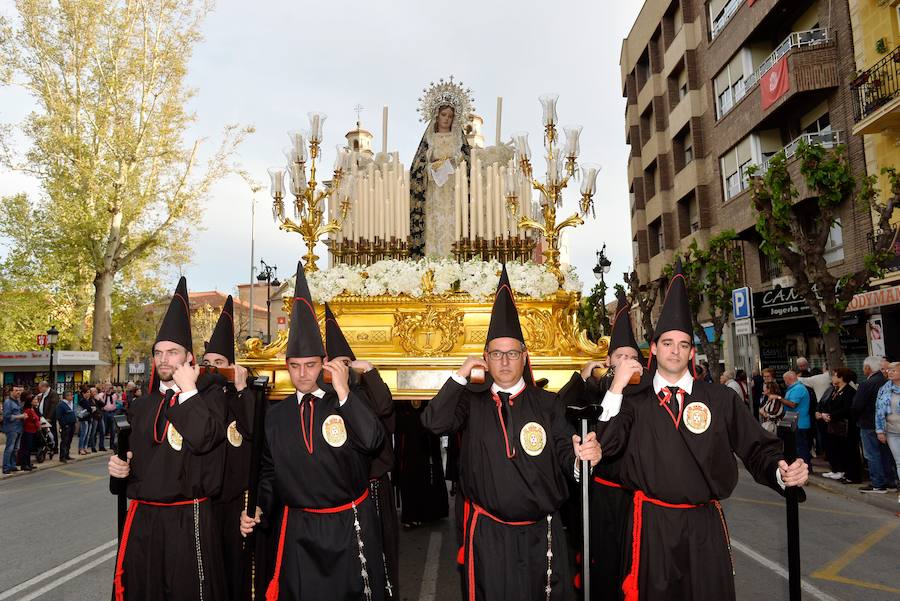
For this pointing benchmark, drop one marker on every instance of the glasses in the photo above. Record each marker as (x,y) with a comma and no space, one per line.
(511,355)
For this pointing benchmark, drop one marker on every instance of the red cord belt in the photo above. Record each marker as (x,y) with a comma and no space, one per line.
(630,585)
(272,590)
(118,587)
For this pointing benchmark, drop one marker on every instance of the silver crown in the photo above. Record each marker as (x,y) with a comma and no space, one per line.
(446,93)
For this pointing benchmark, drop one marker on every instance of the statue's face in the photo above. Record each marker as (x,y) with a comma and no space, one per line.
(445,118)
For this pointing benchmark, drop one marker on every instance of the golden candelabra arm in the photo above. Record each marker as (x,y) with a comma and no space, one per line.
(570,166)
(587,204)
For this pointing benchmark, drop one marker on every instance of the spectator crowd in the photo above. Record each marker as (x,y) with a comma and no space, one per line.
(38,424)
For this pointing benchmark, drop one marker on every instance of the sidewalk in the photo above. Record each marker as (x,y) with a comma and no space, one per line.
(889,501)
(50,464)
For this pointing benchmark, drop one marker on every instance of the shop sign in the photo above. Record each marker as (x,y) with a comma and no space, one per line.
(875,298)
(778,304)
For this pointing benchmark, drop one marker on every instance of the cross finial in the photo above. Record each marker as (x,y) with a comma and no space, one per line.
(359,109)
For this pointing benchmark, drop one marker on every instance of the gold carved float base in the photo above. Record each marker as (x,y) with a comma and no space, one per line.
(417,342)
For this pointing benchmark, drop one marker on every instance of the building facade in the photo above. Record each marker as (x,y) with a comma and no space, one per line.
(713,88)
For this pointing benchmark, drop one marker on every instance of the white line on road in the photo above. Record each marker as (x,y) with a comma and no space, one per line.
(70,576)
(429,576)
(768,563)
(60,568)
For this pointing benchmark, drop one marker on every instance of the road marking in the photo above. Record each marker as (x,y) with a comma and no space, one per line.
(805,507)
(60,568)
(768,563)
(832,570)
(69,472)
(70,576)
(432,560)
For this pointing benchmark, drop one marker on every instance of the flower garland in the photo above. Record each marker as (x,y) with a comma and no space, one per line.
(476,278)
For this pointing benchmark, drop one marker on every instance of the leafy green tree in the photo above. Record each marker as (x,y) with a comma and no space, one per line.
(592,315)
(797,234)
(645,295)
(122,189)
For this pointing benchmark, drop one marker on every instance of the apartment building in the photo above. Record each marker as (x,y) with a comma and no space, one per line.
(715,87)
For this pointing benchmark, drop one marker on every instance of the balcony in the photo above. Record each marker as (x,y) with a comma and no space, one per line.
(826,139)
(876,96)
(797,39)
(724,17)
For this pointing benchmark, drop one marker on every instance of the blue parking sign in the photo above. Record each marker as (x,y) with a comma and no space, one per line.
(741,303)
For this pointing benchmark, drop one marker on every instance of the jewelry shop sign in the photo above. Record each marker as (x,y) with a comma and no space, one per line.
(778,304)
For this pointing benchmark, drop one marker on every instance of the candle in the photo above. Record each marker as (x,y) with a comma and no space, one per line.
(457,205)
(464,200)
(489,201)
(384,121)
(499,114)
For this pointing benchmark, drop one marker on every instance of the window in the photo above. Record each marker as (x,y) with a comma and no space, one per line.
(820,125)
(688,151)
(656,239)
(769,268)
(636,251)
(834,246)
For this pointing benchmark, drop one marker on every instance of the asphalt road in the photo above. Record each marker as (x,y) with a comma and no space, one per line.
(58,530)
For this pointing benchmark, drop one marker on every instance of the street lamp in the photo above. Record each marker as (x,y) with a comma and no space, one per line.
(600,270)
(119,349)
(52,337)
(267,275)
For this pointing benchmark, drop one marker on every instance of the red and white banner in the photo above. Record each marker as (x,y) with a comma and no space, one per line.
(875,298)
(775,83)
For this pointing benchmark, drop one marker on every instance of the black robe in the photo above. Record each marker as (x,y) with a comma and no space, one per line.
(158,558)
(420,471)
(231,501)
(506,556)
(610,505)
(319,556)
(685,553)
(378,395)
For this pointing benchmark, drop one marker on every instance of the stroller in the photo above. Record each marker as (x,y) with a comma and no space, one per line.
(43,442)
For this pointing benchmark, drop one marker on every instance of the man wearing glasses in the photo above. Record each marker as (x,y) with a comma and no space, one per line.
(516,451)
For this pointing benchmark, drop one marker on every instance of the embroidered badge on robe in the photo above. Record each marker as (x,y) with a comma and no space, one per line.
(533,438)
(697,417)
(333,430)
(234,437)
(175,439)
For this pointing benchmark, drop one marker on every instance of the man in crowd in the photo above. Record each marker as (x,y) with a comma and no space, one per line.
(47,409)
(882,471)
(610,503)
(239,406)
(369,386)
(727,378)
(13,426)
(796,399)
(65,417)
(169,548)
(678,438)
(319,444)
(803,367)
(516,452)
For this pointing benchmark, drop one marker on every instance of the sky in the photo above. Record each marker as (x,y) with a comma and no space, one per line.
(268,63)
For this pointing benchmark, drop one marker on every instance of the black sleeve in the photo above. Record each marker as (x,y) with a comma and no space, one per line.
(562,438)
(266,489)
(573,391)
(759,450)
(380,395)
(858,406)
(448,411)
(200,420)
(365,429)
(241,406)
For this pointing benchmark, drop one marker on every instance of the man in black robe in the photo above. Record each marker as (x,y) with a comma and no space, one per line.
(231,500)
(610,502)
(318,451)
(170,544)
(677,438)
(370,387)
(515,455)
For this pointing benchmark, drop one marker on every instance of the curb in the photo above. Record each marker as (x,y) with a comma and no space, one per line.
(55,463)
(887,502)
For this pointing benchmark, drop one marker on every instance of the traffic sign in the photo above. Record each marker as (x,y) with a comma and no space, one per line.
(743,327)
(741,304)
(42,340)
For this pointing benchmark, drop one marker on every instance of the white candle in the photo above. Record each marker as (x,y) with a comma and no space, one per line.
(464,202)
(384,121)
(489,203)
(499,114)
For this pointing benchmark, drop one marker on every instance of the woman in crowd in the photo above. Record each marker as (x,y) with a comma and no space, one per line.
(84,412)
(887,413)
(842,436)
(32,425)
(773,409)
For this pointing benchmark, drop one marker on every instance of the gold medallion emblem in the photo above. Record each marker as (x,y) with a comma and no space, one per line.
(334,431)
(234,437)
(697,417)
(533,438)
(175,439)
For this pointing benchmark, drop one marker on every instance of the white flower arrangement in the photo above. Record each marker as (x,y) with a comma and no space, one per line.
(476,278)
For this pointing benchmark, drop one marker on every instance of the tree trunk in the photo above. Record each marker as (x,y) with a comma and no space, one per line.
(834,354)
(101,339)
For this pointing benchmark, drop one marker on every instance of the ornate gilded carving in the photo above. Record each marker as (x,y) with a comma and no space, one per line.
(430,334)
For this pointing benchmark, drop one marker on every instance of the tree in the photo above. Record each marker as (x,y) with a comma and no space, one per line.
(121,186)
(644,295)
(710,275)
(592,315)
(797,233)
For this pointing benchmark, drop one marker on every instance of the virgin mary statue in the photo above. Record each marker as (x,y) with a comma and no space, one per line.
(445,108)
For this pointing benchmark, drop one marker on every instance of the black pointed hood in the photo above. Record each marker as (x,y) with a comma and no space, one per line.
(222,339)
(676,311)
(505,319)
(621,333)
(175,327)
(304,338)
(336,344)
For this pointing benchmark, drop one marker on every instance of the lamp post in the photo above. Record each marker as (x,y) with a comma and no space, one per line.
(267,275)
(600,270)
(52,337)
(119,349)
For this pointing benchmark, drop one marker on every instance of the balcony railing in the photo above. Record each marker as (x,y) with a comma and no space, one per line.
(724,17)
(876,86)
(796,39)
(826,139)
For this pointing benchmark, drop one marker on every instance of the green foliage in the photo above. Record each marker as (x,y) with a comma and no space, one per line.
(591,315)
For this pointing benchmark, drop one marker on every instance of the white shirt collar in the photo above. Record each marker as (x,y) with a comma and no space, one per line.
(318,393)
(163,388)
(513,390)
(685,382)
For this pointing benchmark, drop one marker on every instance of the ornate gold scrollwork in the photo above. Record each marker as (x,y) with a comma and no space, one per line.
(430,334)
